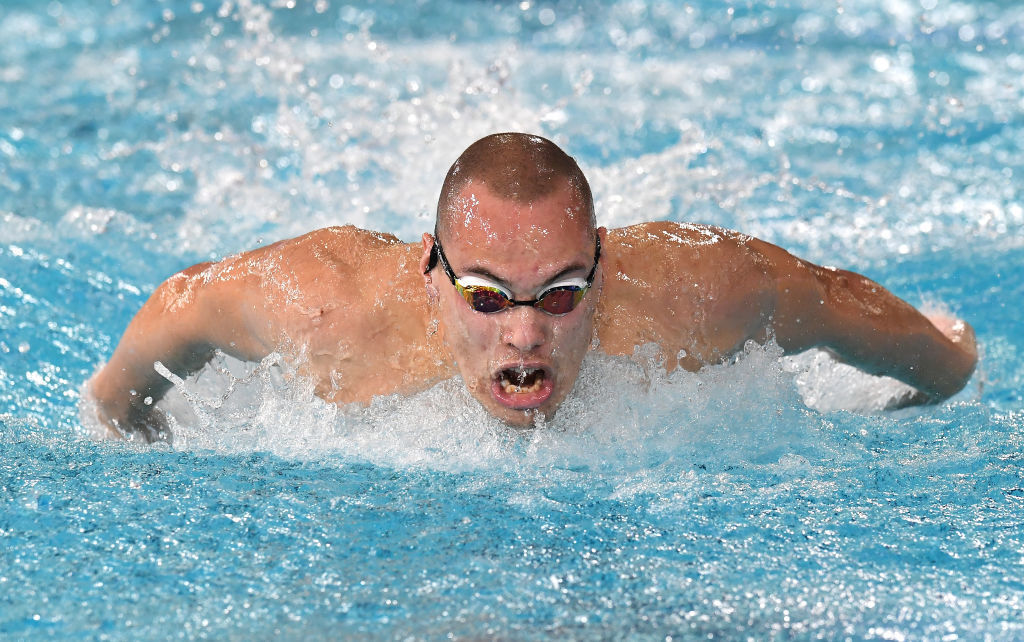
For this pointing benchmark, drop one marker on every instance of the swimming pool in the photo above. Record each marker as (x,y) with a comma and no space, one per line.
(745,500)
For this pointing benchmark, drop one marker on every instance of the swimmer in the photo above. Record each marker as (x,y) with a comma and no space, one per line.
(515,285)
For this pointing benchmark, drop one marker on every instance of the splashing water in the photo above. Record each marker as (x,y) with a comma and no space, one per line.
(747,409)
(742,501)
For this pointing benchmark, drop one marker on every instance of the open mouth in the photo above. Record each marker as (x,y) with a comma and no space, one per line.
(520,380)
(522,387)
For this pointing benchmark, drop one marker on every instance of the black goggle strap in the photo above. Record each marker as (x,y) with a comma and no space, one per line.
(597,257)
(436,253)
(432,261)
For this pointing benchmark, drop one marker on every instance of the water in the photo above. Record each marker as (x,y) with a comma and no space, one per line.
(744,501)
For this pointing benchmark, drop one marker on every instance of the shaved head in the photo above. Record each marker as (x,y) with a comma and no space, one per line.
(517,167)
(516,221)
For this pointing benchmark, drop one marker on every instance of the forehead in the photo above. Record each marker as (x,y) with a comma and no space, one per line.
(558,221)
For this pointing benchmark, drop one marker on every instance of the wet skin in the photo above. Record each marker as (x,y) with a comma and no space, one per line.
(523,248)
(356,312)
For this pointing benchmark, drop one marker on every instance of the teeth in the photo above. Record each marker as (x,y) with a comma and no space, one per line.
(520,375)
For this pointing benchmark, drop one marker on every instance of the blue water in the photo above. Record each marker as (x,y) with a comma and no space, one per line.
(747,500)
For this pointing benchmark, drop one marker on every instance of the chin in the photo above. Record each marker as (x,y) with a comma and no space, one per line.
(517,417)
(520,418)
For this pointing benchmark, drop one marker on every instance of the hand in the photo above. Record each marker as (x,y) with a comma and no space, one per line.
(151,427)
(147,423)
(959,332)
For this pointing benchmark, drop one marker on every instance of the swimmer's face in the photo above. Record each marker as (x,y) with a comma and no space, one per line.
(521,361)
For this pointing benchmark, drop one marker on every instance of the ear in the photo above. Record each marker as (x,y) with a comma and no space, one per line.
(428,281)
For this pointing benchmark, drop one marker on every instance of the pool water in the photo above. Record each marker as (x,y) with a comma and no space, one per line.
(763,498)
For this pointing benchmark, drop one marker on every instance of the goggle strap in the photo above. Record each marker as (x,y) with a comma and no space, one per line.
(432,261)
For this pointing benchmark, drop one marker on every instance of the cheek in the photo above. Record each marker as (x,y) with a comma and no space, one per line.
(571,340)
(465,333)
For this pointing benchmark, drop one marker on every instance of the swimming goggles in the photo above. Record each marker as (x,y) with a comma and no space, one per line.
(483,296)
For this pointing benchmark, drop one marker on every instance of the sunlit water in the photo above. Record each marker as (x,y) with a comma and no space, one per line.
(745,500)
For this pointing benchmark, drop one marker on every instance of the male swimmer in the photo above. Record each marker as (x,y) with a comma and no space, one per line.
(514,287)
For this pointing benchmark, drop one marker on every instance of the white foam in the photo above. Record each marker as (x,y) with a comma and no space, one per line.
(826,384)
(628,414)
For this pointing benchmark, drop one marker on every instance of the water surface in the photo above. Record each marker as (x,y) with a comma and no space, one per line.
(746,500)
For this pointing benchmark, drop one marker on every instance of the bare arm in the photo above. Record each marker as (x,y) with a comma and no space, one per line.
(188,318)
(867,326)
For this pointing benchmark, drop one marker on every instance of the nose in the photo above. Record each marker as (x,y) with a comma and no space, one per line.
(524,328)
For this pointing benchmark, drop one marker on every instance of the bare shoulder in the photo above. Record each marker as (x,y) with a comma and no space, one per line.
(277,289)
(699,289)
(299,263)
(348,303)
(675,232)
(339,246)
(347,236)
(685,250)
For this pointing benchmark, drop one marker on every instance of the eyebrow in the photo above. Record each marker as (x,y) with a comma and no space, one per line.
(484,272)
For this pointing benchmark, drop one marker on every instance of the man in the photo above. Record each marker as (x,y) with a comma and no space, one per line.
(514,288)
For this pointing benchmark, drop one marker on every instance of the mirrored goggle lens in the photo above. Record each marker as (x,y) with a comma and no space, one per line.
(561,300)
(484,299)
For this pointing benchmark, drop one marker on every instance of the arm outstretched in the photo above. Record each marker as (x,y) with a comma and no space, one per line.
(867,326)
